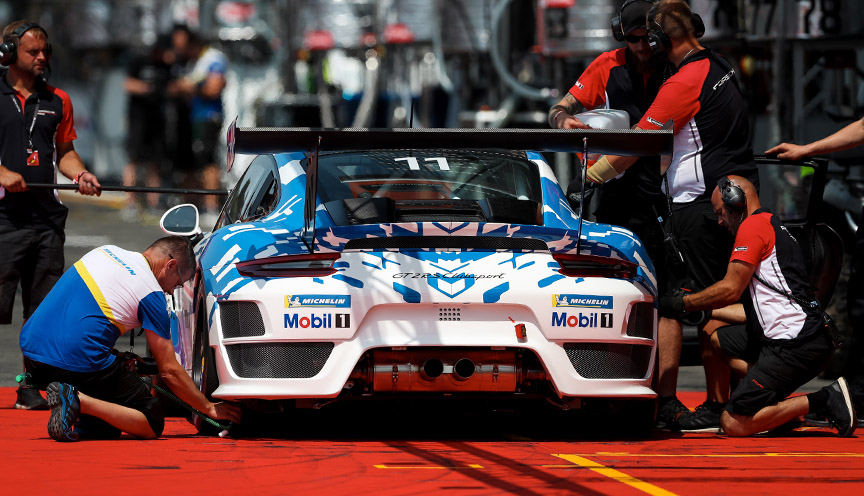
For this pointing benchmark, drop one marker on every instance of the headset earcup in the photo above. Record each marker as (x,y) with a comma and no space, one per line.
(616,28)
(698,26)
(658,41)
(9,53)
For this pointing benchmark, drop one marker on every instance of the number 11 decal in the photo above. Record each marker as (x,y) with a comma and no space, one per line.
(414,165)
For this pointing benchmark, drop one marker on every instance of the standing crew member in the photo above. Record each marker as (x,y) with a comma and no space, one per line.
(204,84)
(67,343)
(36,135)
(628,79)
(844,139)
(785,342)
(712,140)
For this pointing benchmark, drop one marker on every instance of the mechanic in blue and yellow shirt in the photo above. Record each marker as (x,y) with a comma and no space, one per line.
(67,343)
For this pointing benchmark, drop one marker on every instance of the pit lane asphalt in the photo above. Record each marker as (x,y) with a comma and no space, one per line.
(96,221)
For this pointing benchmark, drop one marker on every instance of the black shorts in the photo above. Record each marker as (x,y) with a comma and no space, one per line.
(32,257)
(705,245)
(114,384)
(205,140)
(145,141)
(778,367)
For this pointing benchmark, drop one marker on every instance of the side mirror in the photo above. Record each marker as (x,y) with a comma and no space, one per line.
(181,220)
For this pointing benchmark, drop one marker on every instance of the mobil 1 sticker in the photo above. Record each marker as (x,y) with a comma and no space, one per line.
(582,319)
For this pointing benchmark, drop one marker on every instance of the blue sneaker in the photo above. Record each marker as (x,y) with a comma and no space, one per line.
(65,410)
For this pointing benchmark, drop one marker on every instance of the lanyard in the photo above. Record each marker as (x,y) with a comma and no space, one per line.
(32,124)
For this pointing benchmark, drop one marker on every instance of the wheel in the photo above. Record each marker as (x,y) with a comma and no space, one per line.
(204,371)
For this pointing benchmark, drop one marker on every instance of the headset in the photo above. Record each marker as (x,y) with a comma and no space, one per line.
(659,41)
(731,194)
(9,49)
(617,31)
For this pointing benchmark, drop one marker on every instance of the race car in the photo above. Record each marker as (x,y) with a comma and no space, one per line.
(416,262)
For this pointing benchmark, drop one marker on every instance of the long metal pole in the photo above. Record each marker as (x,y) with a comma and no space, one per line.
(134,189)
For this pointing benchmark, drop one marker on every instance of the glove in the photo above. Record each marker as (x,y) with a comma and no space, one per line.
(601,171)
(671,307)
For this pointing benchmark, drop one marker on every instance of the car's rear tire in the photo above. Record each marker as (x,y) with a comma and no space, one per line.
(204,371)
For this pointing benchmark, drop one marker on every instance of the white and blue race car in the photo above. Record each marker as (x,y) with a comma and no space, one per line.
(440,263)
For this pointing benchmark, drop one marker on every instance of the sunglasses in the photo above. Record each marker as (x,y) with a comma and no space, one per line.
(632,38)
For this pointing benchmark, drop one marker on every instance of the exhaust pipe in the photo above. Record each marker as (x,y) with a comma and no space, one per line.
(432,369)
(463,369)
(424,370)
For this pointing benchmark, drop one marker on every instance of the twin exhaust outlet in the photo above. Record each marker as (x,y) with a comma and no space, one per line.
(427,370)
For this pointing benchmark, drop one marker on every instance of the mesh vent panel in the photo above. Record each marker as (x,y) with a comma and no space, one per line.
(240,319)
(278,360)
(641,323)
(609,361)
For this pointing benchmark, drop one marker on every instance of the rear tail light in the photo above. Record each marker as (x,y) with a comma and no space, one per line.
(290,266)
(594,266)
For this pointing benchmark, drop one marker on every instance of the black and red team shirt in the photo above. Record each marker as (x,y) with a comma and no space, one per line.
(712,131)
(40,209)
(763,242)
(612,81)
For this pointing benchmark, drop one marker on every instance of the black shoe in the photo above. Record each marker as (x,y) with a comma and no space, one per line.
(839,410)
(818,419)
(65,410)
(30,398)
(706,418)
(670,414)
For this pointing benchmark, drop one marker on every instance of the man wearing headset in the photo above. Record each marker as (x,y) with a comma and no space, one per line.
(628,79)
(785,342)
(712,140)
(36,135)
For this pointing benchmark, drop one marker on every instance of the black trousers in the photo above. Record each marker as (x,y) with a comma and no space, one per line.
(854,368)
(33,258)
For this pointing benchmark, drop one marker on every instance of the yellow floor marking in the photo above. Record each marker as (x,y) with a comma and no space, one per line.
(617,475)
(427,467)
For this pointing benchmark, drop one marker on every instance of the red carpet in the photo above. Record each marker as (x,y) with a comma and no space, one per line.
(183,463)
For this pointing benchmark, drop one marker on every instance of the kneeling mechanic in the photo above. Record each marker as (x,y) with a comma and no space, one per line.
(67,343)
(785,342)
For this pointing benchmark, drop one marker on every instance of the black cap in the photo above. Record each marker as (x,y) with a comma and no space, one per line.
(633,15)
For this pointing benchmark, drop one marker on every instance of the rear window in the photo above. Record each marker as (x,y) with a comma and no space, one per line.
(402,175)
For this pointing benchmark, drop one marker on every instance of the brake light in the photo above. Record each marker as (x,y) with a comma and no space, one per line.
(306,265)
(594,266)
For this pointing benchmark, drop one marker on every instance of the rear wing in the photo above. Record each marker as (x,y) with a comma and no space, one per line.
(628,142)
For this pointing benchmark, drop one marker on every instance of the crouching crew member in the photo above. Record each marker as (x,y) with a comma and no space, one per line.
(67,343)
(785,342)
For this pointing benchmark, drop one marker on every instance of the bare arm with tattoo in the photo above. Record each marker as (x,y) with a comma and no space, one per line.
(561,114)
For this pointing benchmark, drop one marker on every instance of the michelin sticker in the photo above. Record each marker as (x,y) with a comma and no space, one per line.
(319,301)
(581,301)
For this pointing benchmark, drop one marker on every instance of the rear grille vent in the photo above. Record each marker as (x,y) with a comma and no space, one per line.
(641,321)
(450,313)
(608,360)
(278,360)
(440,242)
(240,319)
